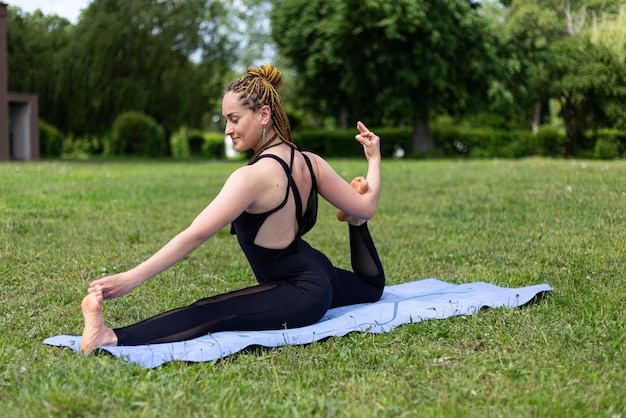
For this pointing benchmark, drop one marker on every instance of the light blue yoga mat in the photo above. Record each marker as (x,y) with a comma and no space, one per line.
(400,304)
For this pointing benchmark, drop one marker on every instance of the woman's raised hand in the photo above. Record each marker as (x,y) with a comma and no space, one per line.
(369,140)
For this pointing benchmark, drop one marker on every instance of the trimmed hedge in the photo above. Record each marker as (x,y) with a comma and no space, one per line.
(449,142)
(50,140)
(83,145)
(138,134)
(195,139)
(195,143)
(609,144)
(342,143)
(213,146)
(135,133)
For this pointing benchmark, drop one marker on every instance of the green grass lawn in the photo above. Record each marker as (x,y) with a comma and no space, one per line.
(510,223)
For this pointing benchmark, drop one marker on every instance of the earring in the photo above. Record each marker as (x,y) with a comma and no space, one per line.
(263,138)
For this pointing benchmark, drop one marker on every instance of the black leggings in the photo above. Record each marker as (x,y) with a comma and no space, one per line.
(300,299)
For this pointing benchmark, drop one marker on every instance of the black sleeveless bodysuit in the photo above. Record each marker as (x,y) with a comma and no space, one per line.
(297,284)
(247,225)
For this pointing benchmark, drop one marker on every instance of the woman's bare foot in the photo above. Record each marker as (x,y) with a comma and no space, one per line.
(95,333)
(360,185)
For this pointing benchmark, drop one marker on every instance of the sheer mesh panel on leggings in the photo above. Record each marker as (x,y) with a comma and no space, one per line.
(364,257)
(168,326)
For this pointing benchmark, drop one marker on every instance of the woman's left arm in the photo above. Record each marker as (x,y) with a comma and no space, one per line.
(339,193)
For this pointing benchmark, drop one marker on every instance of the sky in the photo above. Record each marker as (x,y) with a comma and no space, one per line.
(69,9)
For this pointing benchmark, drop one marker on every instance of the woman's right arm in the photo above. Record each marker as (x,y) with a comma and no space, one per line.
(238,193)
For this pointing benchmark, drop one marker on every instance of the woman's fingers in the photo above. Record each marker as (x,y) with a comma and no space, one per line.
(107,285)
(369,140)
(365,133)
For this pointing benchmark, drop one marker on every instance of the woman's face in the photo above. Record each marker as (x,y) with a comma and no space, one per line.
(243,125)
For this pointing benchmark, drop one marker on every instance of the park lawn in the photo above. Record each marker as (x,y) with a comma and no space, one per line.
(512,223)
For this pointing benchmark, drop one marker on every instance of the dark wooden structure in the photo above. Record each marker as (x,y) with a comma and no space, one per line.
(19,112)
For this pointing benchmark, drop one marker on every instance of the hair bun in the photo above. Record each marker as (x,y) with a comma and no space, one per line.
(269,73)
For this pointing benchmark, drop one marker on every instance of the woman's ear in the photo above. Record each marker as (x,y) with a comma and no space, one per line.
(266,114)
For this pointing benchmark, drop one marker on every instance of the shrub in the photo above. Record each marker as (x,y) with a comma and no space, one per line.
(610,143)
(50,140)
(195,139)
(341,143)
(392,139)
(486,142)
(213,146)
(186,143)
(334,143)
(607,148)
(135,133)
(458,141)
(83,145)
(179,144)
(519,144)
(550,141)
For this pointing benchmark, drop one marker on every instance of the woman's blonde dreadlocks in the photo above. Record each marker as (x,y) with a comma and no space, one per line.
(258,88)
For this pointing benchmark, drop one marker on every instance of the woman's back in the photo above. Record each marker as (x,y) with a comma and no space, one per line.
(280,228)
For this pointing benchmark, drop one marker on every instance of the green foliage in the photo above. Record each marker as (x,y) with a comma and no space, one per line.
(586,78)
(328,142)
(520,144)
(609,144)
(50,140)
(550,141)
(341,143)
(495,143)
(389,63)
(179,146)
(606,149)
(537,36)
(213,146)
(166,58)
(186,143)
(458,141)
(33,60)
(361,59)
(135,133)
(84,146)
(485,142)
(132,55)
(196,141)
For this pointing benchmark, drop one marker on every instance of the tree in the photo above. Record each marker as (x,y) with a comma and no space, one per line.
(589,82)
(402,60)
(156,57)
(612,35)
(524,36)
(527,29)
(33,41)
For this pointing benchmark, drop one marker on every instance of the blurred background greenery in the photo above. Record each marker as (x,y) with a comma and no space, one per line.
(442,77)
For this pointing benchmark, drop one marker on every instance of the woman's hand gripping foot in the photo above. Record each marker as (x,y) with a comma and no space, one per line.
(360,185)
(95,333)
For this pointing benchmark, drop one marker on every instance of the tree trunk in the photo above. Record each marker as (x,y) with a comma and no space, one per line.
(343,119)
(537,117)
(422,137)
(570,135)
(168,146)
(569,141)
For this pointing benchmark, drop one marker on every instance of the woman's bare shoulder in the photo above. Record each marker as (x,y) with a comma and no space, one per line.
(320,165)
(262,173)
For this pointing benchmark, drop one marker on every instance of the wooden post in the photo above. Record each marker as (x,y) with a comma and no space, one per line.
(5,153)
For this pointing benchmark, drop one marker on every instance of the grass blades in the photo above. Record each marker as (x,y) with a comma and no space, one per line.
(508,222)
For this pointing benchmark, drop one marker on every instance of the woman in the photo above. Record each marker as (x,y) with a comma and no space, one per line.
(271,203)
